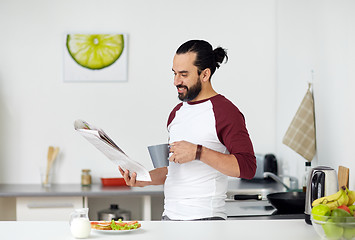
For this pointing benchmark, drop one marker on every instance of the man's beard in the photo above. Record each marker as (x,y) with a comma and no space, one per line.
(191,93)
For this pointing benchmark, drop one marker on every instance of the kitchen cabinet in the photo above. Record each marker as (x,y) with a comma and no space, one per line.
(141,207)
(32,202)
(46,208)
(144,203)
(7,209)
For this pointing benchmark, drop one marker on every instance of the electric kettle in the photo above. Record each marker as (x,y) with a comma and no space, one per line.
(322,181)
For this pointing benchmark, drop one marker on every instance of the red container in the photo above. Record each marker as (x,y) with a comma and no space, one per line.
(113,182)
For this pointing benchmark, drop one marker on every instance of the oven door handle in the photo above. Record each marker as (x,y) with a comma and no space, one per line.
(247,197)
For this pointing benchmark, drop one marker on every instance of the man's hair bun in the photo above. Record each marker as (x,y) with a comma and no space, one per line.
(220,54)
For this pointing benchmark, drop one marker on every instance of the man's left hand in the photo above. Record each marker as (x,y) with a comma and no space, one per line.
(182,152)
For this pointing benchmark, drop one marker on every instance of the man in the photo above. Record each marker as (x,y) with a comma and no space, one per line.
(208,140)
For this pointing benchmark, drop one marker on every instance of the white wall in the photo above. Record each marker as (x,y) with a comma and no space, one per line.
(272,45)
(37,109)
(318,35)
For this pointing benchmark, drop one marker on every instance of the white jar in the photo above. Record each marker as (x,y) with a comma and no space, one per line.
(80,227)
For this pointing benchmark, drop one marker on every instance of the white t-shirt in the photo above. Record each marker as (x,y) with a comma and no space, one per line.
(195,190)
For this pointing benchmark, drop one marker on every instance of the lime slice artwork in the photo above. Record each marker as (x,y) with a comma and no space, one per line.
(95,51)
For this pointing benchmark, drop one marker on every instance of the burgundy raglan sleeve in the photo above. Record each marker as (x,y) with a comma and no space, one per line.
(172,114)
(232,133)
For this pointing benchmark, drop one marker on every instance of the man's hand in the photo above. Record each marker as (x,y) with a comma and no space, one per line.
(131,180)
(157,175)
(183,152)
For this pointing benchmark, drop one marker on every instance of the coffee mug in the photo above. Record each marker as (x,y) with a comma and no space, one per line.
(159,155)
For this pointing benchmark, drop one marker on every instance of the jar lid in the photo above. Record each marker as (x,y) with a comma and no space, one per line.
(85,170)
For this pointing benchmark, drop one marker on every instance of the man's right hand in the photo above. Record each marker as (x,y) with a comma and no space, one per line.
(157,175)
(131,180)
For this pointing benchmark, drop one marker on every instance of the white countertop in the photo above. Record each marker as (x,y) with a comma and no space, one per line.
(235,186)
(96,190)
(172,230)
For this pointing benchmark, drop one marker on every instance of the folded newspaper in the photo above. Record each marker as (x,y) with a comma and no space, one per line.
(102,142)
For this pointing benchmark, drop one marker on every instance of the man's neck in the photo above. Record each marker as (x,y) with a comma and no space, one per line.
(208,93)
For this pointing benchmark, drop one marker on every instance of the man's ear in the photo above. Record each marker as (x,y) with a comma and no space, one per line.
(206,74)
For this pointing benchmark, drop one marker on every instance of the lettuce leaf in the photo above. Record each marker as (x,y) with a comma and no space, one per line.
(123,226)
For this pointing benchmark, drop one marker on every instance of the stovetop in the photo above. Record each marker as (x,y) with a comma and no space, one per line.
(268,217)
(254,209)
(250,187)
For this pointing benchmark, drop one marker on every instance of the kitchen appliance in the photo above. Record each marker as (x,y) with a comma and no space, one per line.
(288,202)
(248,199)
(322,181)
(114,213)
(265,163)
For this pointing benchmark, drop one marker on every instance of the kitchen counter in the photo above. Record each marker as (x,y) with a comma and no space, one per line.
(68,190)
(157,230)
(235,186)
(25,194)
(60,196)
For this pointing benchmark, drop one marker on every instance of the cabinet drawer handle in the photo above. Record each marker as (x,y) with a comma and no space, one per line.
(50,205)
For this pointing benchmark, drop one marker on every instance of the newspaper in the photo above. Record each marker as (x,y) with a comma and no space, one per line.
(102,142)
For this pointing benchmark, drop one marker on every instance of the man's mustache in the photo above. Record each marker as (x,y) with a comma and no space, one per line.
(182,86)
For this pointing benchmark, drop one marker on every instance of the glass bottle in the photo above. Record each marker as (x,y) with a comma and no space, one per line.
(80,226)
(307,169)
(85,177)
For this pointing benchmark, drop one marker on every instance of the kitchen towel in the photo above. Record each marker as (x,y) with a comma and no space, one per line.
(301,134)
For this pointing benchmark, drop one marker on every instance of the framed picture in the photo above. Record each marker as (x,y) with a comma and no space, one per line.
(95,58)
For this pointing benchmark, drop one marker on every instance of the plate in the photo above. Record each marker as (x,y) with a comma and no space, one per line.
(113,231)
